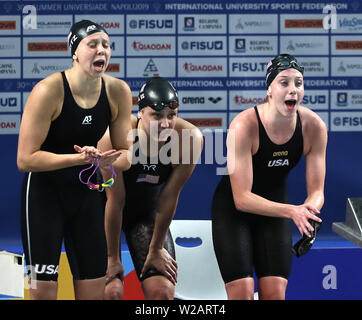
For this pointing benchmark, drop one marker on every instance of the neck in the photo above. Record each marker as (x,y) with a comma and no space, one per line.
(81,83)
(274,119)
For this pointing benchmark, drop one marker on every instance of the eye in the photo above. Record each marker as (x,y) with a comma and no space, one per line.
(157,116)
(284,83)
(171,115)
(298,83)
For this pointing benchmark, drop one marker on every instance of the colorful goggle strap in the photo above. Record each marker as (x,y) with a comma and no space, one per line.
(98,187)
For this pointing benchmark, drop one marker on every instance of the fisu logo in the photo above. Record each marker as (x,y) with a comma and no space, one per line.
(278,163)
(87,120)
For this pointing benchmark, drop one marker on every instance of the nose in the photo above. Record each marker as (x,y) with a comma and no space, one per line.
(100,49)
(292,89)
(164,123)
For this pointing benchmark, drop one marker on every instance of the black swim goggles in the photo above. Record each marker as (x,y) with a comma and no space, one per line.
(305,243)
(286,64)
(161,105)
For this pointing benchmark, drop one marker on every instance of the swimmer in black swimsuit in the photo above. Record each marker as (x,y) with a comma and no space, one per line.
(64,117)
(250,215)
(144,203)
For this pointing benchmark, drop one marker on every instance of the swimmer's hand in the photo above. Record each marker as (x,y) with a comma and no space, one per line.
(301,214)
(114,269)
(114,281)
(105,158)
(305,244)
(161,260)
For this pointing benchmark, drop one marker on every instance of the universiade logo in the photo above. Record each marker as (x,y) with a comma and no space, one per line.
(183,147)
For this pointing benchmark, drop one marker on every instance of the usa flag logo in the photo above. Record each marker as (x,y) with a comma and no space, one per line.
(143,177)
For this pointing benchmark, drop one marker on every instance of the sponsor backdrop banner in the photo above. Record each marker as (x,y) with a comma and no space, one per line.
(215,53)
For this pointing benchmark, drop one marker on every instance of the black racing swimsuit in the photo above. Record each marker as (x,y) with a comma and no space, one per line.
(244,240)
(143,183)
(57,207)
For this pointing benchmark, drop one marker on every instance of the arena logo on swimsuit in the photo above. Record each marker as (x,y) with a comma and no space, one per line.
(44,268)
(278,163)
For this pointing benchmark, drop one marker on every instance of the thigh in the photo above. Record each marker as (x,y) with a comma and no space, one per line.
(85,239)
(138,236)
(42,221)
(231,238)
(272,238)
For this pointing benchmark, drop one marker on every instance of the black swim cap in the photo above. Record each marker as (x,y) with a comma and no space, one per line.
(157,93)
(80,30)
(280,63)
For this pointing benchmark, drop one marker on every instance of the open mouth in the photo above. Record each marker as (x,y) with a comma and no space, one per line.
(291,104)
(99,65)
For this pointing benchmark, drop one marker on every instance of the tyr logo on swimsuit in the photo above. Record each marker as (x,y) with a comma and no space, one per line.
(149,167)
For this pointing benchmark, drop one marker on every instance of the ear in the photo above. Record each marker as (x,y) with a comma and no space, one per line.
(269,91)
(75,58)
(139,113)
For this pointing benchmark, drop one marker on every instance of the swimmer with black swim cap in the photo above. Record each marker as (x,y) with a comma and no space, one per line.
(81,30)
(250,210)
(158,94)
(94,34)
(65,116)
(279,64)
(144,205)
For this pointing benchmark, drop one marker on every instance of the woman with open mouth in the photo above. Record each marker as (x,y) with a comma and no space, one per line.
(64,117)
(250,211)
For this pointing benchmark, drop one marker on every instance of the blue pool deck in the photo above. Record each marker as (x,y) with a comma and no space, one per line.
(330,271)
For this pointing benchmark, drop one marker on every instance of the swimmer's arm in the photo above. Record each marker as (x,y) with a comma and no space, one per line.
(115,203)
(240,167)
(120,126)
(169,195)
(38,113)
(157,256)
(167,203)
(113,216)
(316,164)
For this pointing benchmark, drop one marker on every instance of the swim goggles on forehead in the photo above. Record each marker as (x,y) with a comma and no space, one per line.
(287,64)
(161,105)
